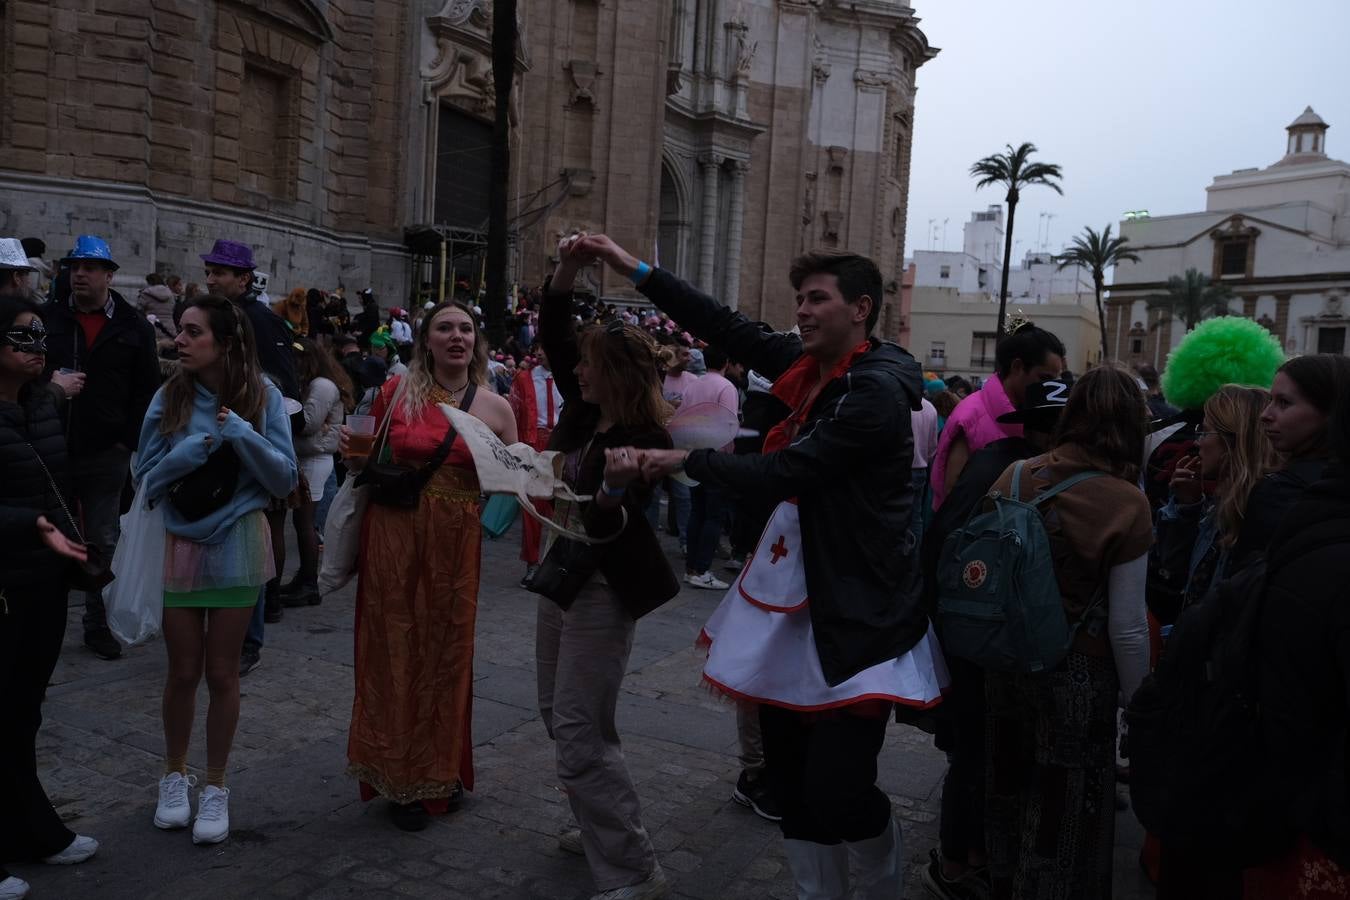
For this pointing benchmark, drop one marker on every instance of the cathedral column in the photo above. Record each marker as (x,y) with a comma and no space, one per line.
(710,164)
(731,290)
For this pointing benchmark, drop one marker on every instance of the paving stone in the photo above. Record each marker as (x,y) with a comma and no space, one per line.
(301,830)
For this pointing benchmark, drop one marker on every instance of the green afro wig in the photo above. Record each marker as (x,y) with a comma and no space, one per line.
(1226,350)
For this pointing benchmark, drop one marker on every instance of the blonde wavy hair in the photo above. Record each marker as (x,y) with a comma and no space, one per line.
(421,371)
(1234,412)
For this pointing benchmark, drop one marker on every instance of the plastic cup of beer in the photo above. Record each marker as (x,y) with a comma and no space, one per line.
(362,439)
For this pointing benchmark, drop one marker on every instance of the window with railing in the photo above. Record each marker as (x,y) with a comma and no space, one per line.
(982,344)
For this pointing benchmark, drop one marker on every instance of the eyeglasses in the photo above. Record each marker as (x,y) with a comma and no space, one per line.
(29,339)
(1204,434)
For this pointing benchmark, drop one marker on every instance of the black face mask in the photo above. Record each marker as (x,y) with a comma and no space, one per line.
(30,338)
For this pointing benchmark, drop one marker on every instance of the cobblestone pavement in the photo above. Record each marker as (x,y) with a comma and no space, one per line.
(299,829)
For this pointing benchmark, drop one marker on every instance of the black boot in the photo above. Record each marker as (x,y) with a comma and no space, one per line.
(306,593)
(272,611)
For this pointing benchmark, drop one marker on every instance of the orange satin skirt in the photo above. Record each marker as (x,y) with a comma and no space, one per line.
(416,603)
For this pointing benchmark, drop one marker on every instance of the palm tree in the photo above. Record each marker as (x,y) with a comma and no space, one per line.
(1189,297)
(503,76)
(1097,253)
(1015,170)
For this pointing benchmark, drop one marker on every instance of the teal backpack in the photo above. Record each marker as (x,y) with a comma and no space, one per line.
(999,604)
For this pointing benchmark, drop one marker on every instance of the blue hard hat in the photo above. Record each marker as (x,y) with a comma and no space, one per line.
(88,246)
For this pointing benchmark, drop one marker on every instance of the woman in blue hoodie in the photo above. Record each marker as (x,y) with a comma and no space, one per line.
(218,554)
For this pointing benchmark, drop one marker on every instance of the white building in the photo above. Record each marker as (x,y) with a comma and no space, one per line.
(953,305)
(1278,236)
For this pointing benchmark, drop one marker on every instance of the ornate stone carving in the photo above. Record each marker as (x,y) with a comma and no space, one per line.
(837,156)
(832,218)
(583,72)
(579,181)
(820,61)
(866,78)
(457,12)
(743,49)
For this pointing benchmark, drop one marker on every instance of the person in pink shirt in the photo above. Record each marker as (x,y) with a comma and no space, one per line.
(708,509)
(678,380)
(678,377)
(1027,356)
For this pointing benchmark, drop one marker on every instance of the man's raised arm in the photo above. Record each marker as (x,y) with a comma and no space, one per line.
(767,352)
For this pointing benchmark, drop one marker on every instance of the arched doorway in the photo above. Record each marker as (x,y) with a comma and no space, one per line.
(673,225)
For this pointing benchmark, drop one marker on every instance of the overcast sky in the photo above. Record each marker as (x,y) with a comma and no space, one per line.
(1141,102)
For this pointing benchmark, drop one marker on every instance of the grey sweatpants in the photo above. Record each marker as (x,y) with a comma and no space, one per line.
(580,657)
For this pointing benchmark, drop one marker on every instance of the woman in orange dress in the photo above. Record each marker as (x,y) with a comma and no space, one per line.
(417,593)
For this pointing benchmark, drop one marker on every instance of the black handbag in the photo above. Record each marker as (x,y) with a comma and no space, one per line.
(207,488)
(95,573)
(401,486)
(564,571)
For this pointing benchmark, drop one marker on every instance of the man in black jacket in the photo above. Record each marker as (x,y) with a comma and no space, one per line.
(229,272)
(96,332)
(844,454)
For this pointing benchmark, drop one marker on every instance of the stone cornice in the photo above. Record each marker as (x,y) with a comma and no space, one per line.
(1335,279)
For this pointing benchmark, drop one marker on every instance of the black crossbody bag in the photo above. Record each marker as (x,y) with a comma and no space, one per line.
(207,488)
(401,486)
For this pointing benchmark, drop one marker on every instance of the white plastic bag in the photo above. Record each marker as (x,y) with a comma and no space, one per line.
(342,536)
(135,598)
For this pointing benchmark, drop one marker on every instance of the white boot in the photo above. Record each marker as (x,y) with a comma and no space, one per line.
(820,870)
(880,866)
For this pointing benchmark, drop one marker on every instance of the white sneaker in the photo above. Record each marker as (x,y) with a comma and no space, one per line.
(213,816)
(13,888)
(79,850)
(707,581)
(652,887)
(175,807)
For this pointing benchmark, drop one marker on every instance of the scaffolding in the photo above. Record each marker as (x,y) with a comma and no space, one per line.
(442,257)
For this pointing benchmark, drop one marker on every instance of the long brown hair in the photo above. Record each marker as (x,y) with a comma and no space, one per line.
(421,375)
(1235,414)
(242,384)
(625,358)
(1107,416)
(316,362)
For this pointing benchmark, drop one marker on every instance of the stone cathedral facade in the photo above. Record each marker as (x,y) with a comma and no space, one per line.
(718,137)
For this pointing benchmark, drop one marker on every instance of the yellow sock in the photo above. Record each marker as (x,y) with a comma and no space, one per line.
(175,764)
(215,776)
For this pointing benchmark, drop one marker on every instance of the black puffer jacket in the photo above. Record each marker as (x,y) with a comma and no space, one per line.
(849,467)
(1303,654)
(25,493)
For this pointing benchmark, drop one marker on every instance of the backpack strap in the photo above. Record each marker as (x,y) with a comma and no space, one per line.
(1062,486)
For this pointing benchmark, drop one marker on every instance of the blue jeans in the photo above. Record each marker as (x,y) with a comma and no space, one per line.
(254,637)
(679,494)
(330,489)
(707,518)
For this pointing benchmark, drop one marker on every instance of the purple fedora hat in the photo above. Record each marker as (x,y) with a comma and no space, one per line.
(230,254)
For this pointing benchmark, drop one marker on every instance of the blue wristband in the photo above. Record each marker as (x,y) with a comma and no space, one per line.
(611,491)
(640,273)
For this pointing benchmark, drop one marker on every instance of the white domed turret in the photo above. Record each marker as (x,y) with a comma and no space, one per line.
(1307,139)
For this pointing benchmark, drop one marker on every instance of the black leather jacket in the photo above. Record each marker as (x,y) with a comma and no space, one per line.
(850,470)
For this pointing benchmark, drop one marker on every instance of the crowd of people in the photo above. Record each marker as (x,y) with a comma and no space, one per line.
(851,499)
